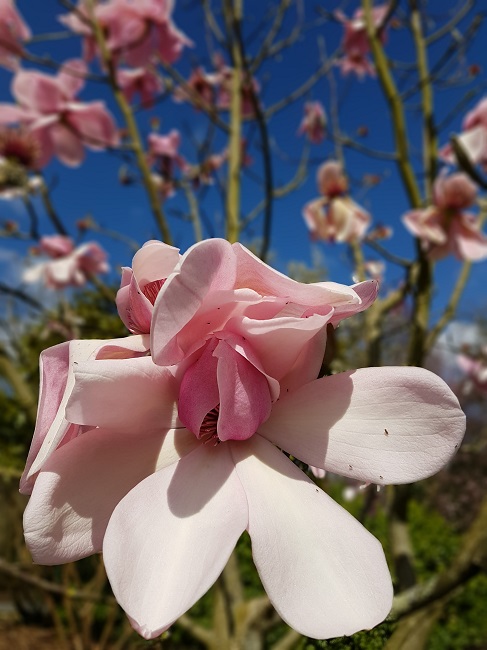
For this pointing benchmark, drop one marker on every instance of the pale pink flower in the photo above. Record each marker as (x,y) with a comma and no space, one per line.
(13,32)
(443,227)
(331,179)
(355,42)
(473,139)
(188,456)
(48,109)
(69,267)
(202,83)
(336,220)
(139,81)
(163,153)
(454,192)
(135,32)
(335,217)
(314,122)
(56,246)
(141,284)
(223,78)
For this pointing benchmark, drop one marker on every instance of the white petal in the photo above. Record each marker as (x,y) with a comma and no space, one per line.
(169,539)
(325,574)
(378,425)
(83,481)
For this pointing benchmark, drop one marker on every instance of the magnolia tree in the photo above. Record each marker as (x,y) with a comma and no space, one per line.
(202,397)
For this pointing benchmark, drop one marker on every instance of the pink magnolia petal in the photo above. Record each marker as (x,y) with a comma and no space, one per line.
(470,243)
(53,368)
(245,397)
(378,425)
(67,145)
(46,146)
(154,261)
(308,364)
(474,144)
(78,351)
(199,394)
(426,224)
(10,114)
(279,342)
(127,395)
(94,125)
(82,482)
(179,527)
(63,272)
(134,309)
(256,275)
(37,91)
(205,268)
(314,217)
(71,77)
(367,292)
(325,574)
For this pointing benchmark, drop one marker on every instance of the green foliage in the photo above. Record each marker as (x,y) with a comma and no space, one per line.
(463,625)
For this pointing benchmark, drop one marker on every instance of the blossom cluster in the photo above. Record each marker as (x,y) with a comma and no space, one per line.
(160,449)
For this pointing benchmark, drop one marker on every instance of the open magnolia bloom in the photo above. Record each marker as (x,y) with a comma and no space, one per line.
(444,227)
(177,453)
(68,266)
(335,217)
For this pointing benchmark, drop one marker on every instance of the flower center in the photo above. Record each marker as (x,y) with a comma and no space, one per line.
(208,432)
(151,289)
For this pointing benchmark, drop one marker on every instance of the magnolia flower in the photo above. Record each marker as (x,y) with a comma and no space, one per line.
(473,139)
(164,150)
(335,216)
(223,80)
(47,108)
(142,81)
(176,461)
(69,266)
(314,122)
(443,227)
(273,290)
(200,82)
(355,42)
(13,31)
(141,284)
(135,32)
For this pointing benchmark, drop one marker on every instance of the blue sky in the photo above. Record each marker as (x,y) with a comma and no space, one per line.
(94,187)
